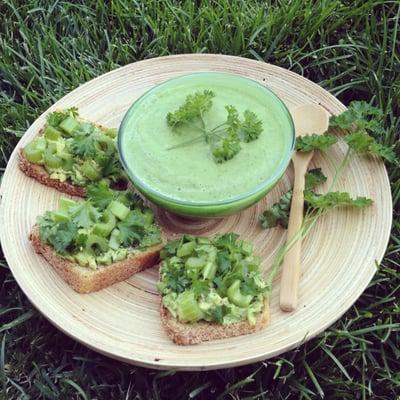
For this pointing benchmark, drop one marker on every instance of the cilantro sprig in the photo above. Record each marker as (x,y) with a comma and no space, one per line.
(224,139)
(361,124)
(278,214)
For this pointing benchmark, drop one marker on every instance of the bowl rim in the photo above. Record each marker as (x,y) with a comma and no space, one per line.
(144,188)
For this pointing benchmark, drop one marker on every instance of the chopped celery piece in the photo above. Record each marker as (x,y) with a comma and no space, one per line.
(115,240)
(52,133)
(40,143)
(33,154)
(203,240)
(236,297)
(60,216)
(195,262)
(185,249)
(118,209)
(96,243)
(209,270)
(112,132)
(106,225)
(69,124)
(247,248)
(67,163)
(91,170)
(66,203)
(51,160)
(105,144)
(188,308)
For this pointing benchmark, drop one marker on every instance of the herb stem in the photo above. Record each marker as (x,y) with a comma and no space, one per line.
(187,143)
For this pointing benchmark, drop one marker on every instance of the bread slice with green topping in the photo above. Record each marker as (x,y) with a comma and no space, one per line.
(203,331)
(87,280)
(70,153)
(95,243)
(211,289)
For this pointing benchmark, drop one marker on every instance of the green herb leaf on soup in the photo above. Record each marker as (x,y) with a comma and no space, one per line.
(224,138)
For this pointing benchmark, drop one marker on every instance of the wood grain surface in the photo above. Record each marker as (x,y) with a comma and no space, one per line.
(339,255)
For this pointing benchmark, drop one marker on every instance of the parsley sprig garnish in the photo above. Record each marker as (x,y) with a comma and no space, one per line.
(362,125)
(225,138)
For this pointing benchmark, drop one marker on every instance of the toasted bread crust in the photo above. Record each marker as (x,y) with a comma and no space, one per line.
(86,280)
(40,174)
(185,334)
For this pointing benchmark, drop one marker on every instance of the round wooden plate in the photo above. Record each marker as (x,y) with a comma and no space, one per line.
(339,255)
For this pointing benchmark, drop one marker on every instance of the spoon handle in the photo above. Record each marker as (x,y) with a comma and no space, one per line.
(291,264)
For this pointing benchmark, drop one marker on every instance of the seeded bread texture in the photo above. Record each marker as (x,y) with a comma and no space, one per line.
(86,280)
(185,333)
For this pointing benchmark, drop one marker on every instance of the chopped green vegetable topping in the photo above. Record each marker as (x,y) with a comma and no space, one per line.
(77,151)
(89,231)
(225,138)
(215,279)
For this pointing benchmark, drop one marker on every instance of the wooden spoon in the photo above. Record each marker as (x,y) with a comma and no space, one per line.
(308,119)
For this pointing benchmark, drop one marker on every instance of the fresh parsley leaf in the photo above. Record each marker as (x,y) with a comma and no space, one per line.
(59,235)
(315,142)
(362,143)
(278,214)
(83,145)
(251,128)
(200,288)
(359,116)
(313,178)
(173,276)
(218,313)
(232,119)
(100,195)
(170,249)
(226,148)
(223,262)
(66,232)
(152,236)
(84,214)
(194,106)
(335,199)
(228,240)
(225,138)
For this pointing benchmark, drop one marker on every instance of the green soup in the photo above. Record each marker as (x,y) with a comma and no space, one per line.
(189,174)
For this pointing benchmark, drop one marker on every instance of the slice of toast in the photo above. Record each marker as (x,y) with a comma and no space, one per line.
(39,173)
(86,280)
(184,334)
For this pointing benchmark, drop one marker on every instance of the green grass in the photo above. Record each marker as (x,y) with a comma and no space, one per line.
(349,47)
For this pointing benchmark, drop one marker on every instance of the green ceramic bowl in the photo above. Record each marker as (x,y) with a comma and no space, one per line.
(187,181)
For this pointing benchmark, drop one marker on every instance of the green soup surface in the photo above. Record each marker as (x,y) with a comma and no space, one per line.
(189,173)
